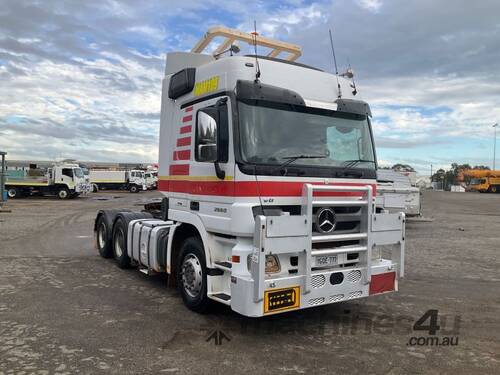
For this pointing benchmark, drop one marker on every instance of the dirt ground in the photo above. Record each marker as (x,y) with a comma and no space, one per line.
(63,309)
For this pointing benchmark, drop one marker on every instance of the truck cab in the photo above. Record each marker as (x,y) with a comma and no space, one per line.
(137,177)
(268,169)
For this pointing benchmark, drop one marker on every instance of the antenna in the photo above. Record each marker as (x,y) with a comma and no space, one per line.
(257,66)
(335,62)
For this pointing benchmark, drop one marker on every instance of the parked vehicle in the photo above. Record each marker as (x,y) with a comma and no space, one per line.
(62,180)
(104,179)
(395,193)
(151,177)
(269,175)
(482,180)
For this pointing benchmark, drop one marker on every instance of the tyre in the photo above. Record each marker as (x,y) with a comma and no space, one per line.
(103,239)
(63,193)
(120,243)
(134,189)
(192,275)
(494,189)
(95,188)
(13,193)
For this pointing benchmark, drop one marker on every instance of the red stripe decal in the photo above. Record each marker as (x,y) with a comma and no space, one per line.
(383,282)
(186,141)
(189,109)
(182,155)
(185,129)
(179,170)
(187,118)
(247,188)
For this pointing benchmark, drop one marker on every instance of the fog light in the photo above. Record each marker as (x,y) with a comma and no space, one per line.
(272,264)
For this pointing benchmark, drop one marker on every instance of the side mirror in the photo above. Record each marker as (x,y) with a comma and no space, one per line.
(207,152)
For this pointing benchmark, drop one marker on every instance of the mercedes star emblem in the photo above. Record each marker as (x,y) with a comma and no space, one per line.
(325,220)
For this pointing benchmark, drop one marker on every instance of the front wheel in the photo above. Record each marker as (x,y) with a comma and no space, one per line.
(192,275)
(63,193)
(134,189)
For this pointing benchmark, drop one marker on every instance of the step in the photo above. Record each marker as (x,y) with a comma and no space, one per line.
(224,266)
(221,297)
(146,270)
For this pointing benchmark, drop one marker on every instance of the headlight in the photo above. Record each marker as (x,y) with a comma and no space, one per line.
(272,264)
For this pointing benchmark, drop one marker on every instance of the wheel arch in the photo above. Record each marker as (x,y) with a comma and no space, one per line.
(192,227)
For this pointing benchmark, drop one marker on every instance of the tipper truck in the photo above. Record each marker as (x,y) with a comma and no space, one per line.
(105,179)
(63,180)
(268,172)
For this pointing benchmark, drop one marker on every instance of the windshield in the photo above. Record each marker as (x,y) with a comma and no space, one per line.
(274,133)
(477,181)
(78,172)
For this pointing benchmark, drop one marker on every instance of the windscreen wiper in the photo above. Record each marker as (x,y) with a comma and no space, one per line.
(293,158)
(348,164)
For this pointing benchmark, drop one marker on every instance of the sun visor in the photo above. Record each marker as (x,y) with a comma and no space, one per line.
(250,90)
(358,107)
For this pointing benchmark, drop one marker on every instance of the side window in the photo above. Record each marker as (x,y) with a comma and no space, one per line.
(206,135)
(67,172)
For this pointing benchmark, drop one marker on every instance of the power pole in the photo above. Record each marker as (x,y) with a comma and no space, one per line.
(494,144)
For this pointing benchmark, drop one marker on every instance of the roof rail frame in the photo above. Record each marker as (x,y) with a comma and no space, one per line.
(231,35)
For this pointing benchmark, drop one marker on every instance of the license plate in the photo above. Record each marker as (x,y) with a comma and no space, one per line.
(281,299)
(328,260)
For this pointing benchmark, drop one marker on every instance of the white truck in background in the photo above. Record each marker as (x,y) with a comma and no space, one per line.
(106,179)
(268,172)
(62,180)
(396,193)
(151,176)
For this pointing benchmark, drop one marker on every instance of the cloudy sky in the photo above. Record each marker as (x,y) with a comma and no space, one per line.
(81,79)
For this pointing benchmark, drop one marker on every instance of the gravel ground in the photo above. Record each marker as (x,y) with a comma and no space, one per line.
(63,309)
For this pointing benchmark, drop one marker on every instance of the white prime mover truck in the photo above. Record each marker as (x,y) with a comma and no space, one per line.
(104,179)
(62,180)
(268,172)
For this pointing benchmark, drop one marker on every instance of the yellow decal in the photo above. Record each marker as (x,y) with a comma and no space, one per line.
(206,86)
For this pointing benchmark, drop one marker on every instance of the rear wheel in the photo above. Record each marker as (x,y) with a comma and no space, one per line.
(104,243)
(95,188)
(63,193)
(192,275)
(120,244)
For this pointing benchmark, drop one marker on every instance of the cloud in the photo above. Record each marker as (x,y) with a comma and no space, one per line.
(84,77)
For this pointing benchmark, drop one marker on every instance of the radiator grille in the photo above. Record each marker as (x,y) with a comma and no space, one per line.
(354,276)
(316,301)
(317,281)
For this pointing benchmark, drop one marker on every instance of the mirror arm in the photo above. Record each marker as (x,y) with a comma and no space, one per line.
(221,174)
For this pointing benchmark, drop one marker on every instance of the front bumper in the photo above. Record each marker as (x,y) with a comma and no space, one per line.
(83,188)
(291,235)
